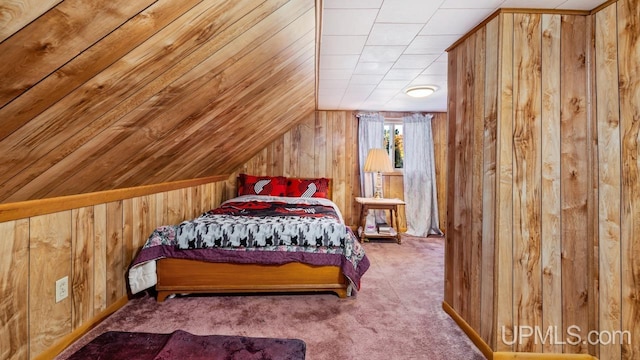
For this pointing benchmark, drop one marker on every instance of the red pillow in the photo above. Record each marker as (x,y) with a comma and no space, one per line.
(262,185)
(308,187)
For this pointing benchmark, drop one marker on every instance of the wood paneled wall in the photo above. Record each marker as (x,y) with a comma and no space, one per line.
(544,157)
(93,246)
(326,145)
(113,94)
(617,116)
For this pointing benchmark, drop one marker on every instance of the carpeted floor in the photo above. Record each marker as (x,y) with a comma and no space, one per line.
(396,315)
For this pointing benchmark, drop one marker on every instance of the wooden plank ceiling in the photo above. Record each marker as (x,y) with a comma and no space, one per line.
(105,94)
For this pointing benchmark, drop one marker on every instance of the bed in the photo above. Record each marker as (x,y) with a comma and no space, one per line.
(266,239)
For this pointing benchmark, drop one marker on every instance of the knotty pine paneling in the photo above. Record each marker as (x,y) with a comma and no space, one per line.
(93,246)
(393,187)
(527,174)
(550,184)
(325,145)
(609,175)
(574,177)
(439,128)
(110,95)
(487,280)
(450,252)
(14,283)
(56,37)
(50,259)
(629,92)
(88,64)
(477,162)
(83,259)
(503,241)
(15,15)
(561,214)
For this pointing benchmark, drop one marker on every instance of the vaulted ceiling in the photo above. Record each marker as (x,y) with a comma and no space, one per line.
(105,94)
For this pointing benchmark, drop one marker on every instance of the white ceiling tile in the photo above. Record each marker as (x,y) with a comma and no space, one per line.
(381,53)
(414,61)
(471,4)
(349,104)
(332,74)
(435,44)
(437,68)
(351,4)
(338,61)
(393,84)
(402,74)
(354,97)
(580,4)
(539,4)
(444,57)
(406,11)
(382,95)
(372,68)
(358,79)
(348,21)
(437,80)
(332,96)
(330,100)
(342,45)
(333,83)
(360,89)
(443,23)
(393,34)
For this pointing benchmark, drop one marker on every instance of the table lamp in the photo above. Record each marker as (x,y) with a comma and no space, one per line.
(378,162)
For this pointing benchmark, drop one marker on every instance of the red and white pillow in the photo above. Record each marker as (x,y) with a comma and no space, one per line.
(308,187)
(262,185)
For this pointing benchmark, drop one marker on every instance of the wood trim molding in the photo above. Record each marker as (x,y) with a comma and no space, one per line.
(471,333)
(25,209)
(539,356)
(503,355)
(76,334)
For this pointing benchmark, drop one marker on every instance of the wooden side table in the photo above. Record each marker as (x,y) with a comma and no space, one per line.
(367,204)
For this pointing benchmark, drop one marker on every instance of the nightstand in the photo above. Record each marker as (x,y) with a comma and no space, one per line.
(367,204)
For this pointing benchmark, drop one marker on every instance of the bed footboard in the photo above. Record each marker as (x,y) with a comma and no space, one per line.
(180,276)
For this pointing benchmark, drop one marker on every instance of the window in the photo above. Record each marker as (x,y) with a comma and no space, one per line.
(393,143)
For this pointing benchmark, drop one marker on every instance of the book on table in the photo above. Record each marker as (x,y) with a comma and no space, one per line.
(384,229)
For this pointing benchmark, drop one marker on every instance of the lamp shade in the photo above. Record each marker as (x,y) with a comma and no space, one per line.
(377,161)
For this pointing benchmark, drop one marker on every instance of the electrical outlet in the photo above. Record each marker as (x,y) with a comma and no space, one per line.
(62,288)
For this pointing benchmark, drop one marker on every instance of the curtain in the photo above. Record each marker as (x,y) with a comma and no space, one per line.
(419,176)
(370,135)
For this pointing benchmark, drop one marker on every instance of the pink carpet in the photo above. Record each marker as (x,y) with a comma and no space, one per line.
(396,315)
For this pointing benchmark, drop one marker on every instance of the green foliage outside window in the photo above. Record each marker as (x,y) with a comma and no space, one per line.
(395,149)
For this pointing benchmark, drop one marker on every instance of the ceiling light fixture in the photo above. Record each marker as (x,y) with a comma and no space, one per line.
(420,91)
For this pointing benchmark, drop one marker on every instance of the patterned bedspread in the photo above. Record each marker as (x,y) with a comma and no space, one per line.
(257,229)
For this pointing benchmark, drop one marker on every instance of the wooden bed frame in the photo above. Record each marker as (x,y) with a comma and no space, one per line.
(177,276)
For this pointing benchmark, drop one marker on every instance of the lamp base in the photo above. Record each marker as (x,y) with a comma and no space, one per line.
(378,186)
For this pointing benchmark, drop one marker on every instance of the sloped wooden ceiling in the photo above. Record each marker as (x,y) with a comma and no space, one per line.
(105,94)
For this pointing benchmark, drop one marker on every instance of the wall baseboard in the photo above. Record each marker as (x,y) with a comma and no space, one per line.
(504,355)
(471,333)
(76,334)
